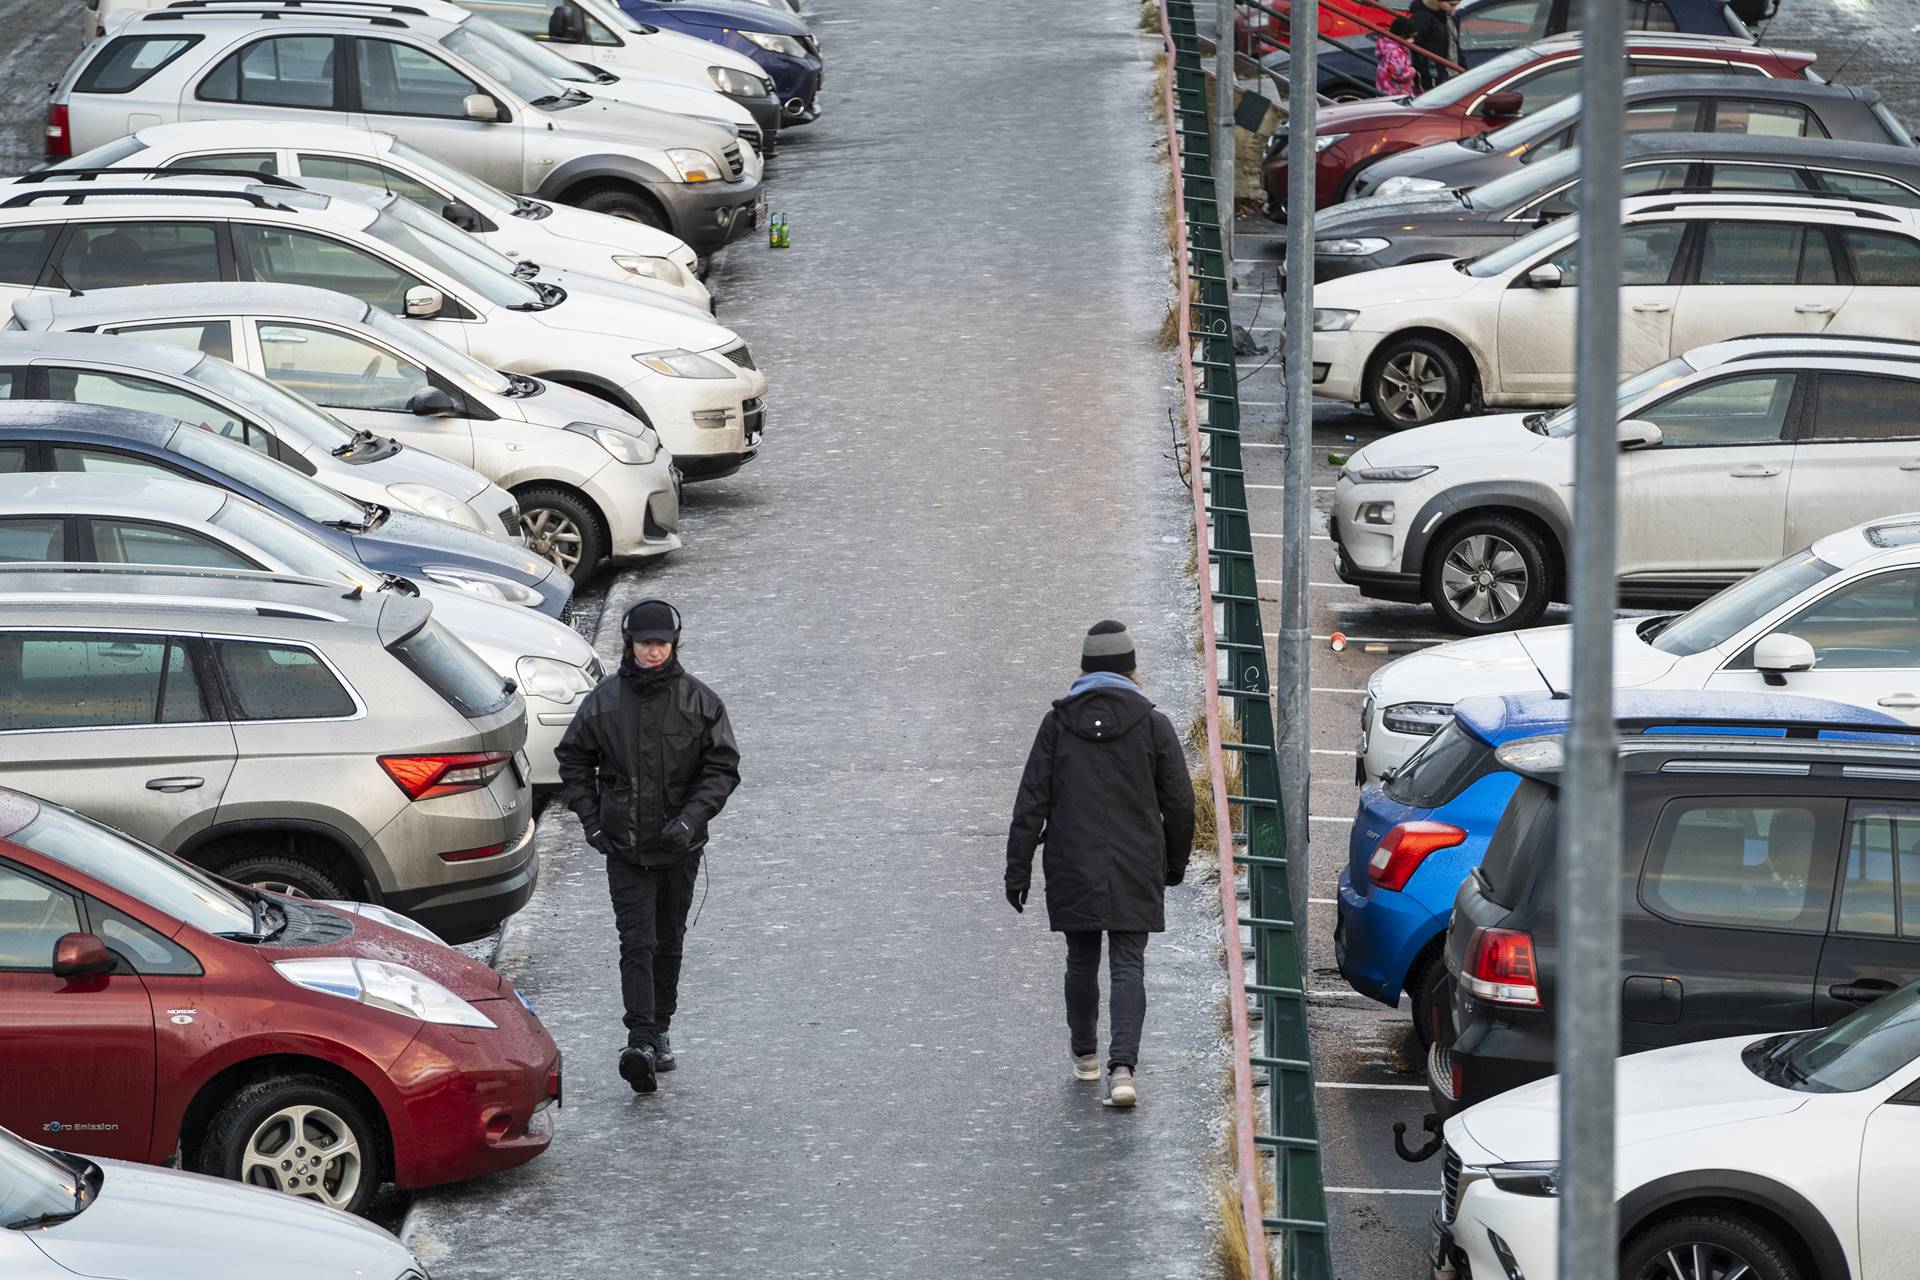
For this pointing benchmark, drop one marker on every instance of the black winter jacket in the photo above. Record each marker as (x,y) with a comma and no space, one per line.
(641,753)
(1106,790)
(1437,33)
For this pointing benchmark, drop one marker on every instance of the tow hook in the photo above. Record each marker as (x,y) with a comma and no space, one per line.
(1434,1140)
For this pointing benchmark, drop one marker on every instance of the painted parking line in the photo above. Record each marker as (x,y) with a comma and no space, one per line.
(1382,1191)
(1312,537)
(1314,817)
(1358,693)
(1365,1084)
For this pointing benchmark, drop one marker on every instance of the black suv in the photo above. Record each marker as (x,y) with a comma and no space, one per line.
(1767,884)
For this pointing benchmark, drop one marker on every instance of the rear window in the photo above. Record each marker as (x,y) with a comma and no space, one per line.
(130,61)
(1525,828)
(1441,769)
(453,671)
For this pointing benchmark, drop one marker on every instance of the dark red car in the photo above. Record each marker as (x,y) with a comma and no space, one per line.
(148,1008)
(1350,136)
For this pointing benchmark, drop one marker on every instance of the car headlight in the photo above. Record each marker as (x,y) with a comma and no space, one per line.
(1326,320)
(635,448)
(1409,186)
(774,43)
(1325,140)
(484,585)
(1392,475)
(741,84)
(1422,718)
(675,363)
(439,504)
(383,985)
(1350,246)
(695,165)
(664,270)
(392,919)
(551,678)
(1527,1177)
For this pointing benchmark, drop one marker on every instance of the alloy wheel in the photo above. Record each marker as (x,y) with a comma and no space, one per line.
(552,534)
(1416,386)
(1484,578)
(1697,1262)
(281,887)
(305,1151)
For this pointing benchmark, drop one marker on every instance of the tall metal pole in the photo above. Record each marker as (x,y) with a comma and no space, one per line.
(1303,111)
(1587,1021)
(1223,137)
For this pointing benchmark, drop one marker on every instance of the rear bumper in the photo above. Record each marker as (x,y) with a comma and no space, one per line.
(1489,1058)
(470,908)
(1370,936)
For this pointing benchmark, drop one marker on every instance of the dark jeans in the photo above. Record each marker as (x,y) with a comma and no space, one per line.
(1127,1005)
(650,906)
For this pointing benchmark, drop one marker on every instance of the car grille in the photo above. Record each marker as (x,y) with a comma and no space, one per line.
(740,356)
(735,165)
(1449,1183)
(751,133)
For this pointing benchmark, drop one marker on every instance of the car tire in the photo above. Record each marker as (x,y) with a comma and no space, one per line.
(634,206)
(1427,1000)
(561,527)
(1487,574)
(1702,1246)
(297,1134)
(1416,380)
(288,871)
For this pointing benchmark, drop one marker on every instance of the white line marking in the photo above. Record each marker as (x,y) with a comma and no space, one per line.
(1263,404)
(1315,817)
(1260,444)
(1276,487)
(1362,1084)
(1328,751)
(1323,902)
(1334,586)
(1358,693)
(1380,1191)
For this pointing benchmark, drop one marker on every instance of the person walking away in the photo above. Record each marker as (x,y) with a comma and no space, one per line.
(1106,790)
(646,765)
(1436,30)
(1393,73)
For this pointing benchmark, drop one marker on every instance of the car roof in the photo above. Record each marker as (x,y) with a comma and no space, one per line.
(1500,718)
(133,353)
(103,421)
(1796,207)
(1748,86)
(443,9)
(1752,146)
(208,195)
(133,497)
(261,133)
(1881,749)
(107,306)
(294,14)
(246,602)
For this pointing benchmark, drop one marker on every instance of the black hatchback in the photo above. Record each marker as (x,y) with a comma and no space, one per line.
(1766,885)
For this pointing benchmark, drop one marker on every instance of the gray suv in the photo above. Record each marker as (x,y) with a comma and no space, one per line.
(275,730)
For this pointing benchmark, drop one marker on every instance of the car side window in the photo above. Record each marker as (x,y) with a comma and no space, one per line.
(280,71)
(1880,881)
(127,254)
(1651,179)
(1883,190)
(279,682)
(1757,177)
(1549,85)
(369,174)
(1759,864)
(398,79)
(214,337)
(1864,406)
(1747,409)
(1883,260)
(13,459)
(130,61)
(338,370)
(33,916)
(108,462)
(1505,24)
(31,538)
(1872,624)
(248,162)
(139,542)
(23,254)
(279,255)
(1648,15)
(1647,253)
(88,386)
(1768,253)
(72,680)
(1667,115)
(1766,119)
(139,947)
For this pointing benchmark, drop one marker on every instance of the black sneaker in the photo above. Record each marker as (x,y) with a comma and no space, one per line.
(663,1059)
(637,1068)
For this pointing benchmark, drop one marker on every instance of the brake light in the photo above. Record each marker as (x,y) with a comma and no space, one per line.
(1500,968)
(59,138)
(470,855)
(1400,853)
(424,777)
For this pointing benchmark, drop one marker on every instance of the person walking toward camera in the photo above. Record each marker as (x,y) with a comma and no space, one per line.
(647,763)
(1106,790)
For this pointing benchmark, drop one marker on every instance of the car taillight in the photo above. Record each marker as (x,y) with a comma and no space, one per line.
(1500,968)
(469,855)
(424,777)
(59,139)
(1400,853)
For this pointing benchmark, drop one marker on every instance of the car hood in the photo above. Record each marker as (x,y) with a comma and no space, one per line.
(405,466)
(556,406)
(1419,204)
(737,17)
(1534,661)
(1373,114)
(630,315)
(1417,282)
(372,940)
(1449,162)
(501,634)
(613,287)
(709,106)
(623,125)
(1461,440)
(156,1222)
(1659,1094)
(427,537)
(617,235)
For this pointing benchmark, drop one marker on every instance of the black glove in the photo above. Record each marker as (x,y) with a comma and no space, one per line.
(1017,897)
(1176,872)
(676,838)
(590,826)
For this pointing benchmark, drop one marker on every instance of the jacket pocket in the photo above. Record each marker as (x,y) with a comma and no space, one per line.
(680,760)
(616,815)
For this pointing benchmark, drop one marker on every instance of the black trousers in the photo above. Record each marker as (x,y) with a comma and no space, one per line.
(650,906)
(1126,1004)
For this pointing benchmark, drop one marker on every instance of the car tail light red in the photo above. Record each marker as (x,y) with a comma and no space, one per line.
(1500,968)
(59,136)
(424,777)
(1400,853)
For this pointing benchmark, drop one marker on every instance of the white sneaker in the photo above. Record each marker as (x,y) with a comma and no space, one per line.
(1120,1088)
(1086,1067)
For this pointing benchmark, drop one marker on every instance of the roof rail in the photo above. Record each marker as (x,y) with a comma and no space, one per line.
(88,175)
(270,15)
(101,568)
(391,6)
(1737,199)
(1792,727)
(1836,337)
(81,197)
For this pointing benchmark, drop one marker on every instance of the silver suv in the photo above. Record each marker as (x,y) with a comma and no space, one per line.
(274,729)
(455,93)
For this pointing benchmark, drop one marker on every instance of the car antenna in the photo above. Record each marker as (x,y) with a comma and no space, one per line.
(1835,77)
(359,588)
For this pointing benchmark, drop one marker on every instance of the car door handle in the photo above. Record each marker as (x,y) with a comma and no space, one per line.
(1911,466)
(175,784)
(1814,308)
(1653,306)
(1862,992)
(1755,472)
(1901,700)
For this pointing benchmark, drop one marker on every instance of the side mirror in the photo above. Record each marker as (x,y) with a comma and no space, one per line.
(424,303)
(482,107)
(1544,276)
(567,25)
(431,402)
(1780,653)
(461,215)
(1638,433)
(1500,106)
(80,955)
(1552,211)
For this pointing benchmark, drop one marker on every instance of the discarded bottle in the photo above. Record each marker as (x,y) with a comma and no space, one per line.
(780,232)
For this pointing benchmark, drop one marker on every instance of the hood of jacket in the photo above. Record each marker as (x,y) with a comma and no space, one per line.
(1101,707)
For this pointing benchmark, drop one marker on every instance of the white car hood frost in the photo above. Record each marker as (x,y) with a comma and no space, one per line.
(1534,661)
(1417,282)
(647,322)
(1461,440)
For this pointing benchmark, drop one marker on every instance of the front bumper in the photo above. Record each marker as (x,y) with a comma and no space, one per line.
(641,505)
(766,113)
(711,215)
(701,417)
(547,723)
(1368,556)
(1340,363)
(1524,1225)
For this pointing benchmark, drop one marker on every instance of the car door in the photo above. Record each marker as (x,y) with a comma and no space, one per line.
(420,98)
(1889,1228)
(1874,947)
(1858,453)
(1885,269)
(1725,934)
(294,77)
(1709,501)
(363,383)
(283,255)
(1865,636)
(122,724)
(1757,277)
(76,1054)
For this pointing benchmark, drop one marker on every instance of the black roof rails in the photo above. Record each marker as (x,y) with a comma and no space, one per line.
(1747,197)
(390,5)
(1795,728)
(270,15)
(88,175)
(80,197)
(1844,337)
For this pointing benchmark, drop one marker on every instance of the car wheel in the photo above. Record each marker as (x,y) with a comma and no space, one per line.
(1427,996)
(634,206)
(293,874)
(564,529)
(1487,574)
(1415,381)
(1706,1246)
(299,1134)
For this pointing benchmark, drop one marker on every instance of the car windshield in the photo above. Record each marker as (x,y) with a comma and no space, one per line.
(1523,184)
(1855,1053)
(275,479)
(106,155)
(1465,85)
(507,66)
(1538,125)
(1719,619)
(429,350)
(33,1184)
(272,403)
(542,60)
(1560,425)
(144,874)
(394,227)
(458,182)
(291,545)
(1525,249)
(450,238)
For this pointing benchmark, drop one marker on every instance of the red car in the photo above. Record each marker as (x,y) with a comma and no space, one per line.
(1350,136)
(1257,33)
(148,1008)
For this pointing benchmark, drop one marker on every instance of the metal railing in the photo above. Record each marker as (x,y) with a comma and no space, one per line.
(1365,55)
(1249,822)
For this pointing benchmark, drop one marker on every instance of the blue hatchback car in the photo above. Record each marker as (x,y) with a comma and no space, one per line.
(779,42)
(1424,827)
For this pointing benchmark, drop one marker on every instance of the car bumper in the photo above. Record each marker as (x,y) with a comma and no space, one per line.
(1369,938)
(1490,1222)
(641,505)
(461,900)
(547,723)
(700,417)
(1490,1057)
(711,215)
(1340,363)
(766,113)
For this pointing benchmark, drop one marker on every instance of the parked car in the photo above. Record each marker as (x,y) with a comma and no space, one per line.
(1259,32)
(432,83)
(1779,1157)
(1421,343)
(309,1048)
(1351,138)
(781,45)
(692,380)
(149,520)
(1771,108)
(49,436)
(1838,621)
(1434,224)
(1419,831)
(65,1215)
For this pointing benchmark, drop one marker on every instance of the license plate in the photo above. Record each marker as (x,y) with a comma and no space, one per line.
(1440,1246)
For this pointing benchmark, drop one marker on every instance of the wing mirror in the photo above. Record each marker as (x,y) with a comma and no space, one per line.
(567,25)
(1544,276)
(424,302)
(1500,106)
(431,402)
(461,215)
(483,107)
(81,955)
(1780,653)
(1638,433)
(1552,211)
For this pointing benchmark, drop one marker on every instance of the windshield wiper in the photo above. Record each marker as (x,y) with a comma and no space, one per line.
(46,1219)
(548,296)
(1478,142)
(525,208)
(360,437)
(519,384)
(1536,422)
(524,270)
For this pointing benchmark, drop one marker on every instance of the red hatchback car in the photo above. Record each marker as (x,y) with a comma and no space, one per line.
(148,1010)
(1350,136)
(1257,33)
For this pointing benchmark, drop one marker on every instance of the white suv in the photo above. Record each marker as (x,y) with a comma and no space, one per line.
(1424,342)
(1476,516)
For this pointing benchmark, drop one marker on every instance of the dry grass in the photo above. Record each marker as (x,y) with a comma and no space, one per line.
(1231,1239)
(1150,16)
(1206,820)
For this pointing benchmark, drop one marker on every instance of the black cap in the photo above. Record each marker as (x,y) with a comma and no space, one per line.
(651,620)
